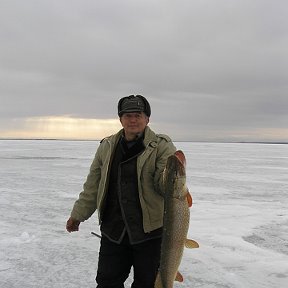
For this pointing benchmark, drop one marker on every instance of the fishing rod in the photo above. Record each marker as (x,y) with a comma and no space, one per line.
(95,234)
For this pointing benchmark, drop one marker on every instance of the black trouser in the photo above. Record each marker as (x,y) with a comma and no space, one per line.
(116,260)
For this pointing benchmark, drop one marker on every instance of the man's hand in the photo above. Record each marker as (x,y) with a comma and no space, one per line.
(72,225)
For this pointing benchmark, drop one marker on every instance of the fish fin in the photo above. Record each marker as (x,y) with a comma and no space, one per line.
(189,198)
(191,244)
(179,277)
(158,282)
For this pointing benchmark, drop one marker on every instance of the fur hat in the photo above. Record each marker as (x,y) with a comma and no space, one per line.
(133,103)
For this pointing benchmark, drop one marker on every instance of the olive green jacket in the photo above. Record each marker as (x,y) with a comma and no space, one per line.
(150,166)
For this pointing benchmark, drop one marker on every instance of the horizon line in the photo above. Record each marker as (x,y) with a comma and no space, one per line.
(195,141)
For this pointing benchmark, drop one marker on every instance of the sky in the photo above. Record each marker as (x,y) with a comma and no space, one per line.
(211,70)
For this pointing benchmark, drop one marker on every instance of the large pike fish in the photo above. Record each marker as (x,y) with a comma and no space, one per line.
(177,200)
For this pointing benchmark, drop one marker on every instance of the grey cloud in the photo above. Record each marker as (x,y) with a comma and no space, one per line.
(212,64)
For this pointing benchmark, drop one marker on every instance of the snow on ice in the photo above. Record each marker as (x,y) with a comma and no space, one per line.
(239,215)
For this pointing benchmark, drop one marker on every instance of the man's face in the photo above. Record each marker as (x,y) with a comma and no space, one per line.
(134,123)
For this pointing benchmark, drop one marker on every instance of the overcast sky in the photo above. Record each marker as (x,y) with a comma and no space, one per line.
(211,70)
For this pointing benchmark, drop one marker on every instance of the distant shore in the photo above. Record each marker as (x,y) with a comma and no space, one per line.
(195,141)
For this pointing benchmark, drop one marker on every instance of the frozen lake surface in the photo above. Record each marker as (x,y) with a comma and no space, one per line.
(239,216)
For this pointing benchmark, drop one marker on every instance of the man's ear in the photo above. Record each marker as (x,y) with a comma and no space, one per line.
(120,120)
(147,120)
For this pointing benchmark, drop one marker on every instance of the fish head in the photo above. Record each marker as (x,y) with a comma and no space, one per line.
(175,177)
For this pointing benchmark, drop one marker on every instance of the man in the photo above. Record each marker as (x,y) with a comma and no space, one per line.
(125,185)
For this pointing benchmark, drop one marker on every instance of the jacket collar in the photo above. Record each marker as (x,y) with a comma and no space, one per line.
(150,137)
